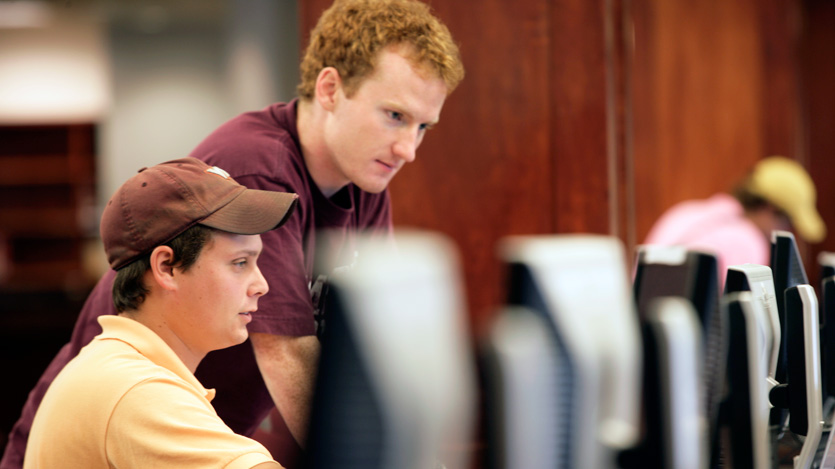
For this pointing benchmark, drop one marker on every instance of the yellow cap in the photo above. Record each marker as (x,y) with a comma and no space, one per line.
(787,185)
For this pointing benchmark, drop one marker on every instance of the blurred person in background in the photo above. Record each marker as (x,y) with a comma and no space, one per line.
(778,194)
(374,79)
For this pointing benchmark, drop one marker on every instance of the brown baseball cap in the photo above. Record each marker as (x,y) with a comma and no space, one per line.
(162,201)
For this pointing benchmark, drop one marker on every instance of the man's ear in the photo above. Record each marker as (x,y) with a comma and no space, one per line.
(162,267)
(327,84)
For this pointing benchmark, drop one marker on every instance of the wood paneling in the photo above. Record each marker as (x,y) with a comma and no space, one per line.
(817,57)
(779,35)
(696,100)
(579,125)
(485,171)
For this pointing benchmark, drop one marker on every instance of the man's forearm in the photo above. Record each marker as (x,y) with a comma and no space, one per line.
(288,365)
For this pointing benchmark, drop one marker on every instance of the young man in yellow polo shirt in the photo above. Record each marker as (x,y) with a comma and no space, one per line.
(184,238)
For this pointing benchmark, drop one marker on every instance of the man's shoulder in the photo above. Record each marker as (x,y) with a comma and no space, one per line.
(269,121)
(109,364)
(95,381)
(254,142)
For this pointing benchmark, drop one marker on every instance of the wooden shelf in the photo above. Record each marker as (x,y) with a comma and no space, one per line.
(47,185)
(37,170)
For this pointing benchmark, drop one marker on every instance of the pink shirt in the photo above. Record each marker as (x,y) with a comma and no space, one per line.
(716,225)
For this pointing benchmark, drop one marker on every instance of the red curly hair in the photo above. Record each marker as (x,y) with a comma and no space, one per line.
(351,33)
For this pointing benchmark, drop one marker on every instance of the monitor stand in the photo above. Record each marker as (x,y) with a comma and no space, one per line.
(825,455)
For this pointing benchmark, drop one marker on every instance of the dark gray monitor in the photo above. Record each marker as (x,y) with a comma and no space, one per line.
(788,271)
(746,408)
(662,271)
(675,435)
(758,280)
(579,285)
(395,385)
(524,400)
(826,263)
(828,337)
(802,394)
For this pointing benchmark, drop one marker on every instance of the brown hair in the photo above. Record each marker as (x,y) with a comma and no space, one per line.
(129,290)
(747,198)
(351,33)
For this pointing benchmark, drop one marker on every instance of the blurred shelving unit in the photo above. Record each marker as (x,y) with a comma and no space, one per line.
(47,223)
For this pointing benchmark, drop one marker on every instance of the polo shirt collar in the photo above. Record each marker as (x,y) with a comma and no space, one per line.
(149,345)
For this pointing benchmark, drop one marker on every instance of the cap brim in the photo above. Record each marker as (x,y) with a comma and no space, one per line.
(809,225)
(253,212)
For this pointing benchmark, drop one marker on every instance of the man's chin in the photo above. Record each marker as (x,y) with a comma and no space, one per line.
(238,339)
(374,187)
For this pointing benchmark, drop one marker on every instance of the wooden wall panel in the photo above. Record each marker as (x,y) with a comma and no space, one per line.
(579,126)
(485,171)
(781,119)
(817,56)
(696,100)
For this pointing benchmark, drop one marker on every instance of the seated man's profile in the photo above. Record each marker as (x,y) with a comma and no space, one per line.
(184,239)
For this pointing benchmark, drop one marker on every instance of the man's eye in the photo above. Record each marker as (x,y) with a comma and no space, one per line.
(394,115)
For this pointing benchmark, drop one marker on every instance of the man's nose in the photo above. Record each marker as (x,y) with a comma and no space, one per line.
(260,286)
(405,147)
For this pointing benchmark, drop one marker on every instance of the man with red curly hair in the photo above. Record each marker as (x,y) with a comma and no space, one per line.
(374,79)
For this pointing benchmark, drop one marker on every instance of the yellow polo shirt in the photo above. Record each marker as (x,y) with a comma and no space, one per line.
(127,400)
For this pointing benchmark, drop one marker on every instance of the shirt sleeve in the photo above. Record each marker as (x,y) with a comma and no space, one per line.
(164,422)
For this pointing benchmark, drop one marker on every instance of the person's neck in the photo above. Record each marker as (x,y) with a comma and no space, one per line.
(156,323)
(310,122)
(763,218)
